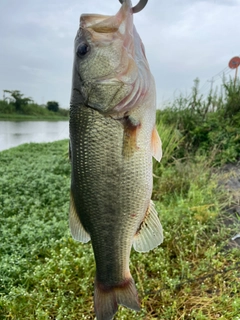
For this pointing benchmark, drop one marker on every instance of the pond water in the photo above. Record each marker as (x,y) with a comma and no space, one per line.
(14,133)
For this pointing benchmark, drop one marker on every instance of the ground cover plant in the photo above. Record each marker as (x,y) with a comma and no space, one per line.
(193,275)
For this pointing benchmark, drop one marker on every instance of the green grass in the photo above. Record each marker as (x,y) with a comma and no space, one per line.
(23,117)
(45,274)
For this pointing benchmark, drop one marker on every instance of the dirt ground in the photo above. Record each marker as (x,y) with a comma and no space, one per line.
(230,181)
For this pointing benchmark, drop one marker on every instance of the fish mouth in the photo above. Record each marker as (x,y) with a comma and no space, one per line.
(108,24)
(99,23)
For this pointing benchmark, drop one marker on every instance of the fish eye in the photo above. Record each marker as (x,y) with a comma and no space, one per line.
(82,49)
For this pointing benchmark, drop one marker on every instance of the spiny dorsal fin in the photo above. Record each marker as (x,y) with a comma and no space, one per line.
(77,230)
(150,234)
(156,145)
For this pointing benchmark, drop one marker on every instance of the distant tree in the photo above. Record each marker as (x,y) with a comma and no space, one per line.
(53,106)
(17,99)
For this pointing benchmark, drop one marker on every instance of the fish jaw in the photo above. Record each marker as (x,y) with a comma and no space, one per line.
(114,76)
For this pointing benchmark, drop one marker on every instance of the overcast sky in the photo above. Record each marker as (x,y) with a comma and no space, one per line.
(184,39)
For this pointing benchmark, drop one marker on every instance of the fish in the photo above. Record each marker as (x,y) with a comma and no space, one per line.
(113,138)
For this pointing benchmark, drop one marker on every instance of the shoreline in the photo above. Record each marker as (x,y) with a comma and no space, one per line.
(32,118)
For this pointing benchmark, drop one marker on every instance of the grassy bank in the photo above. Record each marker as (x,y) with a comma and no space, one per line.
(45,274)
(194,275)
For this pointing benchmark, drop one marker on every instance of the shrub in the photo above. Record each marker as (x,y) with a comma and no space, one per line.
(53,106)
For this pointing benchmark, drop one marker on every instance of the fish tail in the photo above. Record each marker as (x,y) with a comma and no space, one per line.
(106,299)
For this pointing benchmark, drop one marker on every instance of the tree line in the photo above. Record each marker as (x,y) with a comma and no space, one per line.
(18,100)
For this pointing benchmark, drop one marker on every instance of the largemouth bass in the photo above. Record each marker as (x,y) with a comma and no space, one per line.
(112,141)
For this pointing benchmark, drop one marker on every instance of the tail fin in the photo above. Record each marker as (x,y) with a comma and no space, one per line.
(106,299)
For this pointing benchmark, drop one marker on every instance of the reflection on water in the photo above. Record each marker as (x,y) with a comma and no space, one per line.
(14,133)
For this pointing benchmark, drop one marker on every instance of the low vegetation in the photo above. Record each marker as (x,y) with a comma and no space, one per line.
(17,107)
(208,126)
(45,274)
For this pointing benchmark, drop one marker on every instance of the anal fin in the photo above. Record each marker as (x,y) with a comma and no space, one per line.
(150,233)
(76,228)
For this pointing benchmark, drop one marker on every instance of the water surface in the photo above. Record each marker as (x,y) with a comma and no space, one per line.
(14,133)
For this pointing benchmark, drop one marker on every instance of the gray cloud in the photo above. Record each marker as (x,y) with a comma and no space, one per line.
(184,39)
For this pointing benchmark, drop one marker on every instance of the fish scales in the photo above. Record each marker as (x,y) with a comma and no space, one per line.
(109,190)
(112,141)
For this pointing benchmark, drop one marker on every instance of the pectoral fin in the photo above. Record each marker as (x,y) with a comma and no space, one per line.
(156,145)
(150,233)
(131,127)
(76,228)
